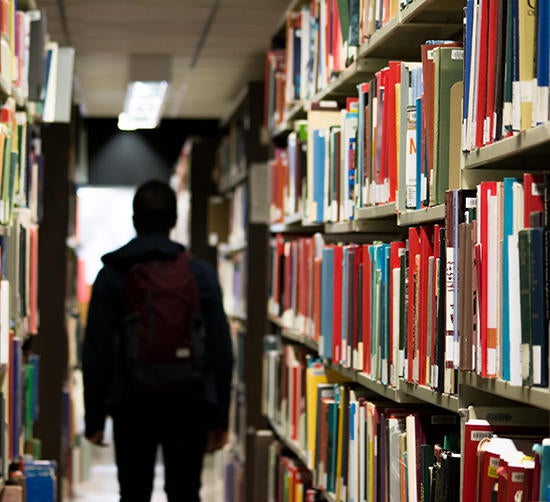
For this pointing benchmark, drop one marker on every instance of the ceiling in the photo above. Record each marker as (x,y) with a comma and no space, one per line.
(216,47)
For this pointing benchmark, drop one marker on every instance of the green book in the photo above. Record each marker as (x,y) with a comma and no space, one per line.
(525,261)
(448,62)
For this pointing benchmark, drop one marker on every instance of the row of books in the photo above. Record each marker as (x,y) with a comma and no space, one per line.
(288,479)
(232,152)
(322,38)
(506,66)
(360,447)
(20,165)
(470,294)
(399,134)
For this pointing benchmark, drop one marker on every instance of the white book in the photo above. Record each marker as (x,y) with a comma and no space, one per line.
(412,460)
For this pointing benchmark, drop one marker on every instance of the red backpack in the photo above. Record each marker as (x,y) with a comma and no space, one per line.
(163,329)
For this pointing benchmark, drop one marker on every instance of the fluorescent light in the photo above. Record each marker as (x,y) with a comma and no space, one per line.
(143,105)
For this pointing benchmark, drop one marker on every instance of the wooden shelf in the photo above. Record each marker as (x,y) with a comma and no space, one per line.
(377,387)
(289,443)
(402,36)
(295,224)
(300,338)
(528,150)
(534,396)
(421,216)
(375,212)
(345,84)
(448,401)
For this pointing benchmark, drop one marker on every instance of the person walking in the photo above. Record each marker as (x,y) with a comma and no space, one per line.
(157,355)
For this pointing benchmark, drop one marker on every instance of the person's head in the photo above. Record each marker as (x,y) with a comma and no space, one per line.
(155,208)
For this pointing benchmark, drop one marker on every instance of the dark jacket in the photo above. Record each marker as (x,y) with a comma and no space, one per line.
(102,381)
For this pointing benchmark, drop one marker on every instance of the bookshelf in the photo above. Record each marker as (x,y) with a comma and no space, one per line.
(444,382)
(26,320)
(242,264)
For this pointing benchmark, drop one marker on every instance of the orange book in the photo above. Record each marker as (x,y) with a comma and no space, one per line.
(33,280)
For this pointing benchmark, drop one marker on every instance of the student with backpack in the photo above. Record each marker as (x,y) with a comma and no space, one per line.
(157,355)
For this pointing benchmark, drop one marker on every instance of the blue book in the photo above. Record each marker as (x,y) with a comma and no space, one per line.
(40,481)
(468,59)
(543,43)
(544,493)
(319,156)
(327,281)
(17,390)
(373,309)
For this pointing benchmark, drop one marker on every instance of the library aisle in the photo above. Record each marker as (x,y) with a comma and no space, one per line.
(102,485)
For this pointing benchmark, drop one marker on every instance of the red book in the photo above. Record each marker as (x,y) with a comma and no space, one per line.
(489,453)
(474,432)
(482,73)
(490,111)
(5,17)
(338,62)
(274,63)
(394,78)
(365,297)
(287,277)
(514,478)
(426,250)
(414,251)
(533,198)
(337,315)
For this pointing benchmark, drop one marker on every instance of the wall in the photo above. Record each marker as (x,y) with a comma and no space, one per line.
(128,158)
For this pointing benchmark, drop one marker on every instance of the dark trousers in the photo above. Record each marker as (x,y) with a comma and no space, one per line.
(140,427)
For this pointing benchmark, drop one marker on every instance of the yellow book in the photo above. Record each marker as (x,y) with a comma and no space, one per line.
(527,83)
(315,375)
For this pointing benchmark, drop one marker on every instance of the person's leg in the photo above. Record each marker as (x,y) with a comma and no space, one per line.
(183,450)
(135,452)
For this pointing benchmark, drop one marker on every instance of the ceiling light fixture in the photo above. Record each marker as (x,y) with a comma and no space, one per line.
(146,92)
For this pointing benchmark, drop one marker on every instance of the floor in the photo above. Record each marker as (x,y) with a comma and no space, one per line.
(102,486)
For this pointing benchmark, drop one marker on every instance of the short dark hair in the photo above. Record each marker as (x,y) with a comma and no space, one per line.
(155,208)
